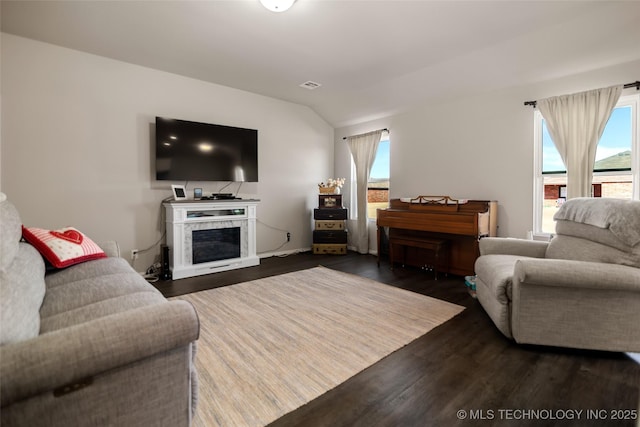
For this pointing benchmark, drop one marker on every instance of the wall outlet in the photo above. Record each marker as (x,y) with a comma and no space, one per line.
(134,254)
(288,236)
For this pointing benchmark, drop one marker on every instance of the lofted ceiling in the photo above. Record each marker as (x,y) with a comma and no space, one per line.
(373,58)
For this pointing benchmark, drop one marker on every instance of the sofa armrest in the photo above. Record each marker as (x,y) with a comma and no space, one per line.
(511,246)
(577,274)
(67,356)
(111,248)
(577,304)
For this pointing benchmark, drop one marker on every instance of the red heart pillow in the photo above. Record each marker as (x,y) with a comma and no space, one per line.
(70,235)
(63,247)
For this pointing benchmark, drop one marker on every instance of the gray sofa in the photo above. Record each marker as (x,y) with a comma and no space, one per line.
(580,290)
(90,345)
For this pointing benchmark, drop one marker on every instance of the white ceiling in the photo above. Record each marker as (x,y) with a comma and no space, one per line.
(373,58)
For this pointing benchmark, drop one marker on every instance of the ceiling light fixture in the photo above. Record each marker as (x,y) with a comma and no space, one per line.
(277,5)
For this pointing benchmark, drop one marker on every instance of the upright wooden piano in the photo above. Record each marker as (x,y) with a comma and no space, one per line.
(461,223)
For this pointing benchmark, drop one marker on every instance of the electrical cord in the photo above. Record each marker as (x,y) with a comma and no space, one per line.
(152,274)
(238,190)
(282,245)
(225,186)
(277,229)
(147,249)
(271,227)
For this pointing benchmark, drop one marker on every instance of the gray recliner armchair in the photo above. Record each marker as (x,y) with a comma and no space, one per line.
(580,290)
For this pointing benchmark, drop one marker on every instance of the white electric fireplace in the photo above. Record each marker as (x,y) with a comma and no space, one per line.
(209,236)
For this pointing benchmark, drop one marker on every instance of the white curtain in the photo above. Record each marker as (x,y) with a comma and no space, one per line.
(576,123)
(363,149)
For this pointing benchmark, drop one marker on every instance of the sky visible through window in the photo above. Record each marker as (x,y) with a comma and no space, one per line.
(380,168)
(616,138)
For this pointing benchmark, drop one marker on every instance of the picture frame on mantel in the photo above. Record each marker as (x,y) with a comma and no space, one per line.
(179,192)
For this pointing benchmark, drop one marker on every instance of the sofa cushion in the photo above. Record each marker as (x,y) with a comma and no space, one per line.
(22,285)
(10,231)
(621,217)
(22,290)
(84,292)
(577,249)
(64,247)
(102,308)
(88,270)
(591,232)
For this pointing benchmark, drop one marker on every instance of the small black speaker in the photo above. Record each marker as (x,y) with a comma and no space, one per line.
(164,256)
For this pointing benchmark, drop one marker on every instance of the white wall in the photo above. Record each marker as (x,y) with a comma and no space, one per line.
(478,147)
(76,146)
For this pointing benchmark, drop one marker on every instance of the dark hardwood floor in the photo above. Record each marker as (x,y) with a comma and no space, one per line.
(463,373)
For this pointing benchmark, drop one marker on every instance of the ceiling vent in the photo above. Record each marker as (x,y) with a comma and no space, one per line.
(310,85)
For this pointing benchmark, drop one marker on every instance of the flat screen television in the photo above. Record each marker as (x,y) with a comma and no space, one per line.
(192,151)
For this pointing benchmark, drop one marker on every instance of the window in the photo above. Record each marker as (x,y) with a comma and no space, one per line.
(616,171)
(378,185)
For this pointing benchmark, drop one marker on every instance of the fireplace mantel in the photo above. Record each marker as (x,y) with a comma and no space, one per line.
(183,218)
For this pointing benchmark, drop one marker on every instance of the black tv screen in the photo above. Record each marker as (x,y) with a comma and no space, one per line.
(192,151)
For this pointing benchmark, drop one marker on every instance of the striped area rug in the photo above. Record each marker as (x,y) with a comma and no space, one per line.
(271,345)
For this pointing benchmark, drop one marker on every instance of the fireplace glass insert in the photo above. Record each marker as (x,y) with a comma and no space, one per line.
(215,244)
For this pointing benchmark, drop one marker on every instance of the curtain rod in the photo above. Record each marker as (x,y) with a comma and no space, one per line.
(383,130)
(626,86)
